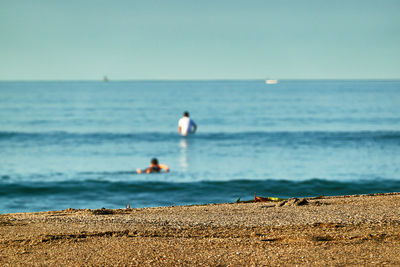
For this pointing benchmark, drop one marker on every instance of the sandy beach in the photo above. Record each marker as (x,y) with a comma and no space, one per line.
(345,230)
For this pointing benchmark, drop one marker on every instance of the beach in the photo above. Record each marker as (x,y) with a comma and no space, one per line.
(342,230)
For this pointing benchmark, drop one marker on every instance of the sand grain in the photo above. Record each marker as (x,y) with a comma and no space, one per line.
(352,230)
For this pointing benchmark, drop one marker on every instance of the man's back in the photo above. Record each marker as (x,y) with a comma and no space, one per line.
(186,126)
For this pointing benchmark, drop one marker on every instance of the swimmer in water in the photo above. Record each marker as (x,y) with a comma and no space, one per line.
(154,167)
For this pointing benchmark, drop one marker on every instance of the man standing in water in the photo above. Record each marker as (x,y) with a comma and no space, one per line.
(186,125)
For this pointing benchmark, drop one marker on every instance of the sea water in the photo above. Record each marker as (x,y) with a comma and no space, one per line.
(78,144)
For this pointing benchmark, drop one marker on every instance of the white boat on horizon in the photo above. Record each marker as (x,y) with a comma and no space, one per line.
(270,81)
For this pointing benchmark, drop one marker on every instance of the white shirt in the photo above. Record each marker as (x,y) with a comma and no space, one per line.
(187,126)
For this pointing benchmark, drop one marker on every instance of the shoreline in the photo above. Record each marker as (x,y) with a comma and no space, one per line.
(332,230)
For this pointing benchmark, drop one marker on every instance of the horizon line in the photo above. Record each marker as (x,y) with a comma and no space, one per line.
(197,80)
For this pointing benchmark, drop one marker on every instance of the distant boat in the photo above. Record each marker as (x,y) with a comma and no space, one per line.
(105,79)
(269,81)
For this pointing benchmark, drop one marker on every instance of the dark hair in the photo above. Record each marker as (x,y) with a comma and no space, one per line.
(186,114)
(154,161)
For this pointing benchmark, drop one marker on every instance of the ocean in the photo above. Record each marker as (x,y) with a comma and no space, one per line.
(77,144)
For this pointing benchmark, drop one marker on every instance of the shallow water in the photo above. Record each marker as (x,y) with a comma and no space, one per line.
(78,144)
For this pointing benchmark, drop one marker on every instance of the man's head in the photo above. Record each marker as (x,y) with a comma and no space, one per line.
(154,161)
(186,114)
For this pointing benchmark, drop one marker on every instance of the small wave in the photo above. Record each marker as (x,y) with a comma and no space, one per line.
(63,138)
(5,177)
(157,136)
(323,138)
(280,188)
(41,196)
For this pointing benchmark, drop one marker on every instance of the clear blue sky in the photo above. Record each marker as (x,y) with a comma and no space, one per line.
(192,39)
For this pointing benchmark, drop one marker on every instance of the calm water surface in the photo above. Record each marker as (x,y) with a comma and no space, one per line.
(77,144)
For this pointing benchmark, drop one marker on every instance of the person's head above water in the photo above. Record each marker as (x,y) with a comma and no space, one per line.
(186,114)
(155,167)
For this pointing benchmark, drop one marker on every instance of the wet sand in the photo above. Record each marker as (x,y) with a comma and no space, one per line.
(346,230)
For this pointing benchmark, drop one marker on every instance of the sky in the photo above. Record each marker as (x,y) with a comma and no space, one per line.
(197,40)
